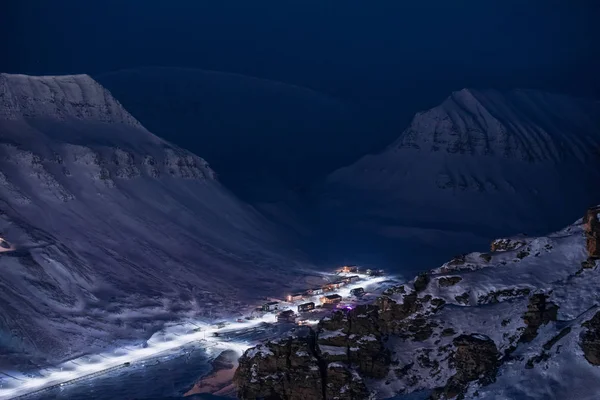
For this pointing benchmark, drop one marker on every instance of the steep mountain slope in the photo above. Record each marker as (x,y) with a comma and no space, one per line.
(263,137)
(483,164)
(117,230)
(519,322)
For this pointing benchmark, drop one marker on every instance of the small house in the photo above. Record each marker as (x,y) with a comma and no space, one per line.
(330,287)
(357,292)
(306,307)
(271,306)
(314,292)
(348,269)
(374,272)
(295,297)
(350,279)
(286,316)
(331,299)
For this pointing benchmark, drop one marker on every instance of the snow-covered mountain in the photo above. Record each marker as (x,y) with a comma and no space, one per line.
(482,164)
(521,321)
(117,230)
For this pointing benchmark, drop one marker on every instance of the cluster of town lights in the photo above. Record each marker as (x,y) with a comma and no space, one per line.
(157,345)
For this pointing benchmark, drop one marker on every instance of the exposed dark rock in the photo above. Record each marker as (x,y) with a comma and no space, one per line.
(448,332)
(536,360)
(588,264)
(343,384)
(438,302)
(506,244)
(419,329)
(476,359)
(449,281)
(485,256)
(390,312)
(590,340)
(500,295)
(522,254)
(394,289)
(288,369)
(463,298)
(421,282)
(548,345)
(592,232)
(458,260)
(402,372)
(539,312)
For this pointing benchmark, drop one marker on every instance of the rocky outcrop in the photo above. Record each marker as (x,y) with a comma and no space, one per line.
(343,383)
(476,358)
(592,232)
(356,338)
(449,281)
(502,295)
(288,369)
(539,312)
(421,282)
(590,340)
(297,368)
(506,244)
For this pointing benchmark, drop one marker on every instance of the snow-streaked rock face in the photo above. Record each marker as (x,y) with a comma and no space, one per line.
(72,96)
(118,230)
(482,163)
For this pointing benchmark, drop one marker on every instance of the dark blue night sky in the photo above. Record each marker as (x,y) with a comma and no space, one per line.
(388,58)
(347,48)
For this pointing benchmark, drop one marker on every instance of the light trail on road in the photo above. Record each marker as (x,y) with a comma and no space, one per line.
(201,332)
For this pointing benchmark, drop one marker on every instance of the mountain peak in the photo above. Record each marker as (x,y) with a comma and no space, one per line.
(59,97)
(527,125)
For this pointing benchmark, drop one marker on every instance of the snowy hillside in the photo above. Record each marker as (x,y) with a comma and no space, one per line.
(117,230)
(521,321)
(483,164)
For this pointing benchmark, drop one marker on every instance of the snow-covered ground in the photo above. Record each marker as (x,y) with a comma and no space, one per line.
(170,340)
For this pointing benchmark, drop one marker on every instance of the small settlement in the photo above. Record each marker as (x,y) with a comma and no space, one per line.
(327,300)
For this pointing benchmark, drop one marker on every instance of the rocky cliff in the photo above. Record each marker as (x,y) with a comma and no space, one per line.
(482,326)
